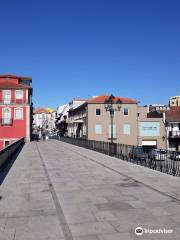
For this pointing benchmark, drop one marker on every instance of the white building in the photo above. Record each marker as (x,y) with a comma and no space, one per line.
(66,124)
(172,120)
(62,112)
(44,118)
(174,101)
(76,118)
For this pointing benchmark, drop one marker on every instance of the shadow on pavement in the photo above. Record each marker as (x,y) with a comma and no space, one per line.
(8,164)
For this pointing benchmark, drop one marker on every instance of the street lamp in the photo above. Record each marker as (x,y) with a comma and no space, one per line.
(109,106)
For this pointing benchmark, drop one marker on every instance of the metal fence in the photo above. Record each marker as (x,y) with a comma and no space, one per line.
(8,152)
(158,159)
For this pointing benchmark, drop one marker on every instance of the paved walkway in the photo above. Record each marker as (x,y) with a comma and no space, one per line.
(57,191)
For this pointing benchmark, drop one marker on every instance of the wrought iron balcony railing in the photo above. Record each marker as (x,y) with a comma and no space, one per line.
(12,101)
(6,121)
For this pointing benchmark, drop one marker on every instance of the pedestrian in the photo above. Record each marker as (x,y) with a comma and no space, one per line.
(37,136)
(43,134)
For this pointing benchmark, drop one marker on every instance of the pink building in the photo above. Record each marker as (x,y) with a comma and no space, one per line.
(15,109)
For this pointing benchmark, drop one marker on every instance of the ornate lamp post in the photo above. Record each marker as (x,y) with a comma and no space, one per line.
(112,105)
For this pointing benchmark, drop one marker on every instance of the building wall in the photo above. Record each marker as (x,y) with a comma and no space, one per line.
(119,121)
(77,120)
(44,119)
(17,130)
(173,136)
(28,126)
(174,101)
(1,144)
(41,119)
(76,103)
(13,100)
(142,118)
(19,127)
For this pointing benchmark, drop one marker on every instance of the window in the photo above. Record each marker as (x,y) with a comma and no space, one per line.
(126,111)
(6,115)
(18,113)
(149,129)
(126,129)
(7,96)
(19,94)
(98,111)
(6,143)
(114,131)
(98,128)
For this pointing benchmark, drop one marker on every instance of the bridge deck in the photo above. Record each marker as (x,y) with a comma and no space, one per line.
(58,191)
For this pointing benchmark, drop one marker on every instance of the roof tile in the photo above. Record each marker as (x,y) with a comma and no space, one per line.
(173,116)
(103,98)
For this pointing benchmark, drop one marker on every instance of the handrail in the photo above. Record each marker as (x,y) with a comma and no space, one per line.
(159,159)
(8,151)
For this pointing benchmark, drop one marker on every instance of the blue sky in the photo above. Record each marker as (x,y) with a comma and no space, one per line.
(81,48)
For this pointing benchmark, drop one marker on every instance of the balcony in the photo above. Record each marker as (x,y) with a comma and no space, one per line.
(11,101)
(6,121)
(174,134)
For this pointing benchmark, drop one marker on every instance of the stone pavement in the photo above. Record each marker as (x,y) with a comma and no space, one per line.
(57,191)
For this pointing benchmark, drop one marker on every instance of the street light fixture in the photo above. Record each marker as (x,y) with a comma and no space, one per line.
(110,104)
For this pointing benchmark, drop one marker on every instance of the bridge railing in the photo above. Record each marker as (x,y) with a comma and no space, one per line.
(8,152)
(158,159)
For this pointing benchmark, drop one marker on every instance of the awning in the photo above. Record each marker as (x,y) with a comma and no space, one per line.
(149,143)
(78,121)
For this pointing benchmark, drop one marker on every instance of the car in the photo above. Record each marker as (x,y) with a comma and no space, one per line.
(175,156)
(137,153)
(158,154)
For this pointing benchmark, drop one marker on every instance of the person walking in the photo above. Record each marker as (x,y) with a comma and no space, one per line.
(36,135)
(43,134)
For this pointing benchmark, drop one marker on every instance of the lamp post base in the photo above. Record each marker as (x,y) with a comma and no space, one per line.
(112,149)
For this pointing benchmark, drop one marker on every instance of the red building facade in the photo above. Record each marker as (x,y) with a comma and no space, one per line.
(15,109)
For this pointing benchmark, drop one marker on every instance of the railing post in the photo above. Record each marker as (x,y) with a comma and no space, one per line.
(115,149)
(174,170)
